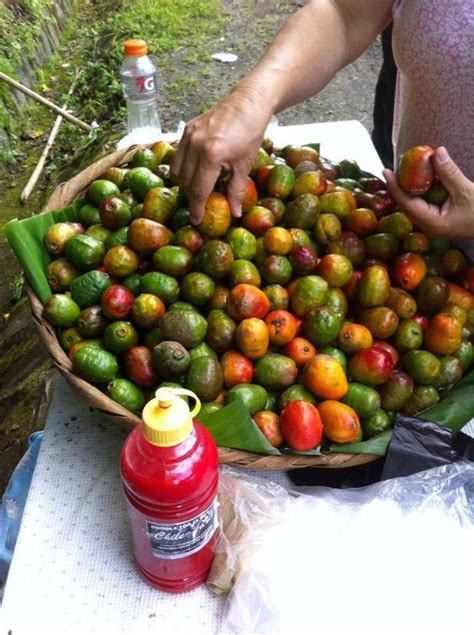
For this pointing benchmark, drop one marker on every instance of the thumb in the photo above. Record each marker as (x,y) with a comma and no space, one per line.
(448,172)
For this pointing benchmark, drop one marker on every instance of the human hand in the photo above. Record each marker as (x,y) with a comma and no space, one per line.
(455,218)
(226,137)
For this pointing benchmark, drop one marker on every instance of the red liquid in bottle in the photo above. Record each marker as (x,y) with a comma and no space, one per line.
(171,499)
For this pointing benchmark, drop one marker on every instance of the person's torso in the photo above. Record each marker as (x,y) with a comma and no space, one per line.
(433,43)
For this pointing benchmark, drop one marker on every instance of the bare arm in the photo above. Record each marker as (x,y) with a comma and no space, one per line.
(312,46)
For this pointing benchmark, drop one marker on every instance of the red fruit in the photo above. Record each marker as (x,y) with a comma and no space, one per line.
(247,301)
(421,320)
(372,184)
(351,289)
(116,302)
(303,259)
(250,197)
(237,369)
(139,367)
(387,347)
(380,206)
(408,271)
(466,279)
(301,425)
(390,202)
(372,366)
(415,170)
(262,175)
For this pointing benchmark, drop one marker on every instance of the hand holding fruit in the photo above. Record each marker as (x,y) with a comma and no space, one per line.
(454,218)
(226,137)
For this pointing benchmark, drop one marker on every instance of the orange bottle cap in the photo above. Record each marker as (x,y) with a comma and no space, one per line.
(135,47)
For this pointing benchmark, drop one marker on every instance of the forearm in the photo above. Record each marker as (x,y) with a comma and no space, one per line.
(314,44)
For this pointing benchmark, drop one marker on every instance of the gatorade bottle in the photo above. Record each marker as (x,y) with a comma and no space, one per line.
(139,83)
(169,469)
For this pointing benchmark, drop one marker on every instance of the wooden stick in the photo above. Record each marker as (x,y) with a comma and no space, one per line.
(42,160)
(45,102)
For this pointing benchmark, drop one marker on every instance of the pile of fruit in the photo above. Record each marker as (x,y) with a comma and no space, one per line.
(323,310)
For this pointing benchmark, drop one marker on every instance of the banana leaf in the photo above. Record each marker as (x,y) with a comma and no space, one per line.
(25,237)
(232,427)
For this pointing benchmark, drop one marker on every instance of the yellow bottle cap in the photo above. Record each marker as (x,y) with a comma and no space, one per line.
(167,419)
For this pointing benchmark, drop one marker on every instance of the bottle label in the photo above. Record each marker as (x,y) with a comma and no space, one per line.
(140,86)
(179,540)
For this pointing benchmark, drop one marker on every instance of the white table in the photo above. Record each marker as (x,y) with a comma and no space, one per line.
(72,571)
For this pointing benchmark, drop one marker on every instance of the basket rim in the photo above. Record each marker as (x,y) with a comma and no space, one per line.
(62,196)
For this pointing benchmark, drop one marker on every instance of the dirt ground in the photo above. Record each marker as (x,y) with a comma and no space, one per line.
(187,88)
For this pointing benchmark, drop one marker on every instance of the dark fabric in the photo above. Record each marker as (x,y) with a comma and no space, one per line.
(384,102)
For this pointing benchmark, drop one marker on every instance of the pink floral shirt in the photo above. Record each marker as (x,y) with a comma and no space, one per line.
(433,44)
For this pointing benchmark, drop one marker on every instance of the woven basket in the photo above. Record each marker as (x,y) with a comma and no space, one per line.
(63,196)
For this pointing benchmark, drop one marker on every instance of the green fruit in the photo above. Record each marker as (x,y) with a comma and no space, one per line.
(179,305)
(173,260)
(92,322)
(89,215)
(170,359)
(396,391)
(115,213)
(88,288)
(216,258)
(197,288)
(205,378)
(450,374)
(376,423)
(57,235)
(69,337)
(120,336)
(84,252)
(423,397)
(209,407)
(244,272)
(336,353)
(61,310)
(180,218)
(153,337)
(302,212)
(327,228)
(220,331)
(423,366)
(401,303)
(310,293)
(408,336)
(95,365)
(465,354)
(140,180)
(100,189)
(118,237)
(202,350)
(374,287)
(161,285)
(160,204)
(144,158)
(187,327)
(297,392)
(275,372)
(382,246)
(253,397)
(126,394)
(321,326)
(363,399)
(242,242)
(276,270)
(99,232)
(272,401)
(348,169)
(347,184)
(132,283)
(60,274)
(337,301)
(280,181)
(397,224)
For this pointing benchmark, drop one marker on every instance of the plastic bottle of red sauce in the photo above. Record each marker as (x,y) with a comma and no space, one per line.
(169,469)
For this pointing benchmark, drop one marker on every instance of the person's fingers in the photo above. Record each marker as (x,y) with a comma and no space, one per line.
(236,189)
(448,172)
(199,187)
(179,156)
(426,216)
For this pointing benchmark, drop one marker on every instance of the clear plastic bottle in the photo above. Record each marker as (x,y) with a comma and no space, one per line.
(139,82)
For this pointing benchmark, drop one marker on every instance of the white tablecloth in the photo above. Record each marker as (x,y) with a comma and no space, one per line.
(72,571)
